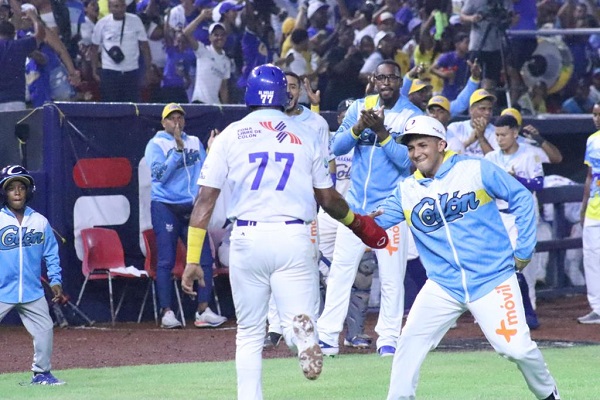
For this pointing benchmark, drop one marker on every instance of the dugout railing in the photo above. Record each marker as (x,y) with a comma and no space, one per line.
(557,283)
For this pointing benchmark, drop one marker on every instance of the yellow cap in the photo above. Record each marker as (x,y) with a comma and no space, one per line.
(417,85)
(288,25)
(171,107)
(513,112)
(439,101)
(479,95)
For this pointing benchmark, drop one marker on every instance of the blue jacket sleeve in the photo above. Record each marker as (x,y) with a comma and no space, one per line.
(398,154)
(406,84)
(520,204)
(51,257)
(392,210)
(461,103)
(343,140)
(161,167)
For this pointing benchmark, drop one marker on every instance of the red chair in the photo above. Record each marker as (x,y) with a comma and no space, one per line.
(103,258)
(150,268)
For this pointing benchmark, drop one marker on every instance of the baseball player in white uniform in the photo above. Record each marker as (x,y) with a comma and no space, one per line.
(370,128)
(275,169)
(317,123)
(450,206)
(524,165)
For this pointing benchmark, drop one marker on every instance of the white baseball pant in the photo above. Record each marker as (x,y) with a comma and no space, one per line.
(500,316)
(591,263)
(347,254)
(273,319)
(268,258)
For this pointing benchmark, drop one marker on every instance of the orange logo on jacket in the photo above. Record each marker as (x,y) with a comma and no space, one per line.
(394,241)
(511,313)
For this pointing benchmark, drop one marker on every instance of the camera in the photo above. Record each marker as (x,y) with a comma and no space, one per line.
(497,15)
(116,54)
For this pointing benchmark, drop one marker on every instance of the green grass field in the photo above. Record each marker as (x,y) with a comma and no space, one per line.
(465,376)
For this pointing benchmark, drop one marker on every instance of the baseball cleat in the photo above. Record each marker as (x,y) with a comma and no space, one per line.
(46,378)
(358,342)
(272,340)
(309,352)
(329,350)
(386,351)
(591,318)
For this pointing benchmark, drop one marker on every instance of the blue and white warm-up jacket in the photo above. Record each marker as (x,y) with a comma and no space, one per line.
(174,174)
(23,247)
(465,248)
(377,167)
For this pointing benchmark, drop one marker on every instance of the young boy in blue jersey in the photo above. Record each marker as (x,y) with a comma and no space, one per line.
(450,206)
(27,240)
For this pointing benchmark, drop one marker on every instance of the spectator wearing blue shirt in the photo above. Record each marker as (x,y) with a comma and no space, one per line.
(176,77)
(452,67)
(12,61)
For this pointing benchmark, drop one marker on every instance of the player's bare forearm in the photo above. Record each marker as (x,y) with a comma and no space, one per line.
(204,206)
(332,202)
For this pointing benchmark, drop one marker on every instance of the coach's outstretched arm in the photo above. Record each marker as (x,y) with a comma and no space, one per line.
(364,227)
(203,209)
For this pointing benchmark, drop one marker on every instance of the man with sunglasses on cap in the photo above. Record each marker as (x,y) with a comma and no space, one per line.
(370,128)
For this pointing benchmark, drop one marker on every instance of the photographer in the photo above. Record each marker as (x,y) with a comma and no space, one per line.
(489,19)
(122,37)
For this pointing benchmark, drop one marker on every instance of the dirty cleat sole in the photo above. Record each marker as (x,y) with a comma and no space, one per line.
(310,355)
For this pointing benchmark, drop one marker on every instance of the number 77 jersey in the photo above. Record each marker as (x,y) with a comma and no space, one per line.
(271,164)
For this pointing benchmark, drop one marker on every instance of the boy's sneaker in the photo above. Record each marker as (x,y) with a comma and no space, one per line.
(591,318)
(46,378)
(169,321)
(329,350)
(309,352)
(358,342)
(386,351)
(208,319)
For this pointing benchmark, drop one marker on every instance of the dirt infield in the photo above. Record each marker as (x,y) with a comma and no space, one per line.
(135,344)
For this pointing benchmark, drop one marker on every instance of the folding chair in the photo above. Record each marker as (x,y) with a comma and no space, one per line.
(103,258)
(150,268)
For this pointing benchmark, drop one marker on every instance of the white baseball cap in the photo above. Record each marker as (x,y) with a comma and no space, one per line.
(380,35)
(423,125)
(314,6)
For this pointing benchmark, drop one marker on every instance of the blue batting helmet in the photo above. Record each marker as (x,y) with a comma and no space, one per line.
(16,172)
(267,86)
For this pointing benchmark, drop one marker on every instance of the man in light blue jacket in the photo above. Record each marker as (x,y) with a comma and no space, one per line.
(450,206)
(370,127)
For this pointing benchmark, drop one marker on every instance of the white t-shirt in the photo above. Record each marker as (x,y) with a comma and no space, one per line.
(211,69)
(158,53)
(462,131)
(369,30)
(318,123)
(107,33)
(271,163)
(49,20)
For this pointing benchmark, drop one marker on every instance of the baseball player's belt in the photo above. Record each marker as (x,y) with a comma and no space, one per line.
(243,222)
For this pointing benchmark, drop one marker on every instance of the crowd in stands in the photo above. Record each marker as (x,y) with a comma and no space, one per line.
(201,51)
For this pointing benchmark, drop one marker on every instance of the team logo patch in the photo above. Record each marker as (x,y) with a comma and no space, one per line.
(426,216)
(281,133)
